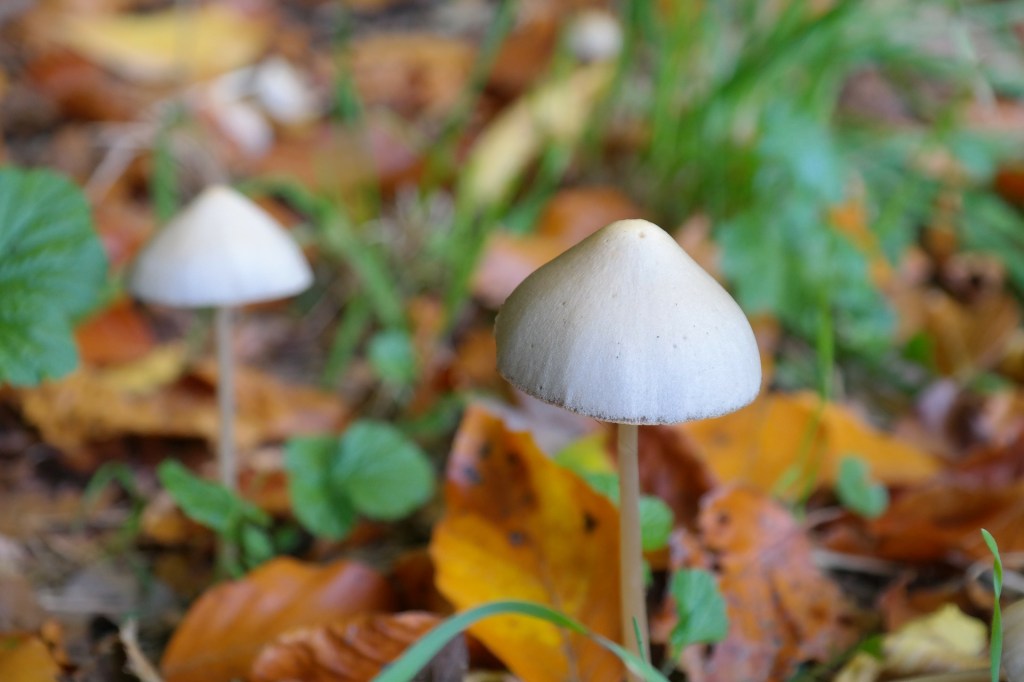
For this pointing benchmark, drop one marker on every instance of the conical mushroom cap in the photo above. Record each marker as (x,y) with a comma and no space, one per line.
(221,250)
(625,327)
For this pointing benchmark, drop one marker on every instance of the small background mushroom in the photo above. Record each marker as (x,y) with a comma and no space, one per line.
(221,251)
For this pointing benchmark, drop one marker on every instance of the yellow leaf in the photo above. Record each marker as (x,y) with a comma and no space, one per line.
(26,658)
(764,443)
(518,526)
(944,641)
(555,113)
(160,367)
(195,42)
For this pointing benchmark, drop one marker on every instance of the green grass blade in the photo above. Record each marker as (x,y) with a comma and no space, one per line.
(996,647)
(420,654)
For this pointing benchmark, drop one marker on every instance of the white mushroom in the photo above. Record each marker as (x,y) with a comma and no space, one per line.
(625,327)
(223,251)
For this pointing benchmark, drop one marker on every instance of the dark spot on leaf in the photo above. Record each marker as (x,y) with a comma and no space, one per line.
(485,451)
(516,538)
(471,474)
(589,522)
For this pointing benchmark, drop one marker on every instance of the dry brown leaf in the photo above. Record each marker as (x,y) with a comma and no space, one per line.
(351,650)
(412,73)
(91,406)
(196,41)
(763,443)
(226,628)
(518,526)
(27,658)
(782,610)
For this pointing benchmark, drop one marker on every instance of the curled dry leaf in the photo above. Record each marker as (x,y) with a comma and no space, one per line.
(778,437)
(352,650)
(224,631)
(518,526)
(782,610)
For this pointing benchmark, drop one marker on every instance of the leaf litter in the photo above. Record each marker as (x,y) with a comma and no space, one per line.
(402,110)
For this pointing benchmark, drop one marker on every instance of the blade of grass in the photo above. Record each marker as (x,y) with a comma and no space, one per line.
(420,654)
(996,647)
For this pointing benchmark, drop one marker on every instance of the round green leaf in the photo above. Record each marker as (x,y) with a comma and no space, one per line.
(384,474)
(320,506)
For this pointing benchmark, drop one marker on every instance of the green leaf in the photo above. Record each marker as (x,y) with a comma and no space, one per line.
(206,502)
(655,523)
(797,144)
(393,358)
(257,545)
(384,474)
(996,646)
(701,609)
(321,507)
(416,657)
(857,492)
(53,271)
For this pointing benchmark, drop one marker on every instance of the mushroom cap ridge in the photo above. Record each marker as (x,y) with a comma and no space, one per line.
(625,327)
(221,250)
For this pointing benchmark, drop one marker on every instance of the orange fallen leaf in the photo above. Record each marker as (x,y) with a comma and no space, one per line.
(518,526)
(938,522)
(226,628)
(118,334)
(778,437)
(351,650)
(782,610)
(27,658)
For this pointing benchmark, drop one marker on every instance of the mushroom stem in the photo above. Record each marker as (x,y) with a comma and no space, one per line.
(225,398)
(631,573)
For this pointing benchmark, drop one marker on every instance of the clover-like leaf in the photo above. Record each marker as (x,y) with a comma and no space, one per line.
(382,472)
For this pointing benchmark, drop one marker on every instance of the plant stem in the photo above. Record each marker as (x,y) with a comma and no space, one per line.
(631,573)
(226,399)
